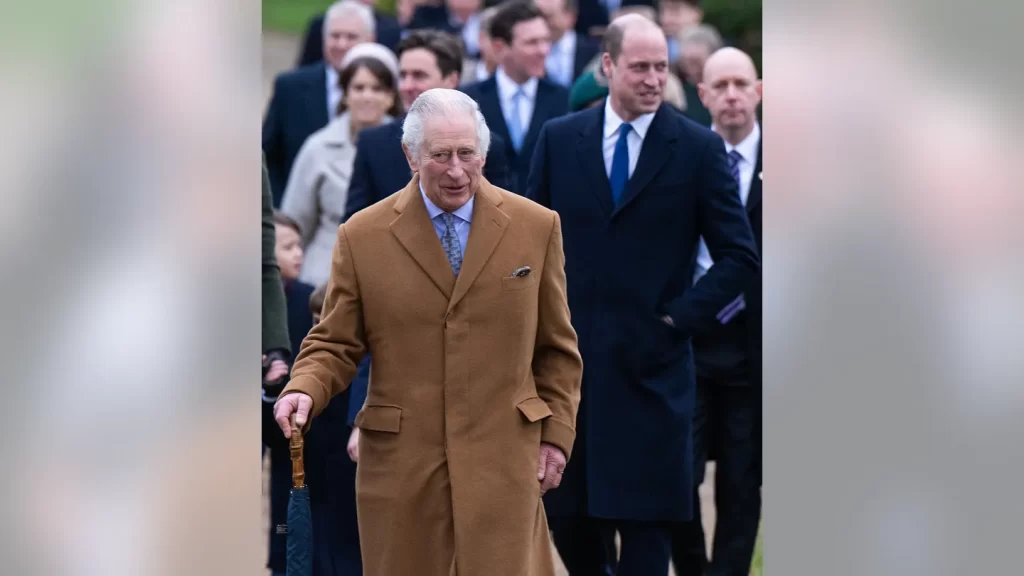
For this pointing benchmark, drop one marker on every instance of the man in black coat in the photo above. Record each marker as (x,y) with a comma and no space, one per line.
(636,185)
(517,100)
(728,357)
(305,100)
(427,59)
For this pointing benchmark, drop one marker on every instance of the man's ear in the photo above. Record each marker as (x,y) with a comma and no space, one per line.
(408,158)
(606,64)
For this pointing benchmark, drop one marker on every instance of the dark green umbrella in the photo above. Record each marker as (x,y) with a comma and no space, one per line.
(300,522)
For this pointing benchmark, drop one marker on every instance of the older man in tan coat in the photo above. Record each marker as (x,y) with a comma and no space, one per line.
(457,289)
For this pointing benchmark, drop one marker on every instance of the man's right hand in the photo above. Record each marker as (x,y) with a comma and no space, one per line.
(295,403)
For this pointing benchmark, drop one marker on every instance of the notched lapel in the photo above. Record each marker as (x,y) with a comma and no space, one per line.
(485,232)
(416,233)
(754,199)
(591,159)
(659,146)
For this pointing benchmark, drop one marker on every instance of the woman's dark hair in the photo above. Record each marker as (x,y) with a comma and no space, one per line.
(380,72)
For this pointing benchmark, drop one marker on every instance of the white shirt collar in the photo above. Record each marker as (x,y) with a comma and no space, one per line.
(612,121)
(332,76)
(748,146)
(464,213)
(507,87)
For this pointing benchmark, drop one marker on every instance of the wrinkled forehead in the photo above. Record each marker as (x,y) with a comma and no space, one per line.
(441,134)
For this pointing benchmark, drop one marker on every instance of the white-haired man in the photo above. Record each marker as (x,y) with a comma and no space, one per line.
(306,99)
(457,288)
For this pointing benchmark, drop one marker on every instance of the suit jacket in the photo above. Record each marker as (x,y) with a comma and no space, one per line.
(552,102)
(719,348)
(389,32)
(469,376)
(317,193)
(275,326)
(626,267)
(297,108)
(381,169)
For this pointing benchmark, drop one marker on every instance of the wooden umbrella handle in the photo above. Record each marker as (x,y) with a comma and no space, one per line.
(298,466)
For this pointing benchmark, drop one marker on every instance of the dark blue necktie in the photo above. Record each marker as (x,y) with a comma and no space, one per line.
(734,165)
(620,164)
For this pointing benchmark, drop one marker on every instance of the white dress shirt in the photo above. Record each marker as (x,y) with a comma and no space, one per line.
(470,33)
(481,71)
(634,142)
(463,218)
(333,93)
(562,59)
(507,89)
(748,150)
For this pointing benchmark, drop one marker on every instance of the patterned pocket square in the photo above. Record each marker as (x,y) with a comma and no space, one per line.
(521,272)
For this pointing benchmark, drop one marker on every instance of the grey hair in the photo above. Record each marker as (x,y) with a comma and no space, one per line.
(344,8)
(442,103)
(701,34)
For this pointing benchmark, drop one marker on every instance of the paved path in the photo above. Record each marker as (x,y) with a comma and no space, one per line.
(280,53)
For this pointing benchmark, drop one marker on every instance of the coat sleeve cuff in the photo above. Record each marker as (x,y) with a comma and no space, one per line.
(559,434)
(311,387)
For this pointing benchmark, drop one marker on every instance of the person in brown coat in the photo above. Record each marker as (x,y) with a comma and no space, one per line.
(457,289)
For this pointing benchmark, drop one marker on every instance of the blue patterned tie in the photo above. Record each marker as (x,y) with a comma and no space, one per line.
(620,164)
(515,124)
(450,243)
(734,165)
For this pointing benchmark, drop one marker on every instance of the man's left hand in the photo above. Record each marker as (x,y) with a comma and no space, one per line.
(550,467)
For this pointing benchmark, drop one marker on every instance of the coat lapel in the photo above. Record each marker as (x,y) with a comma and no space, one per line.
(591,158)
(659,145)
(754,198)
(488,227)
(490,107)
(416,233)
(541,112)
(316,100)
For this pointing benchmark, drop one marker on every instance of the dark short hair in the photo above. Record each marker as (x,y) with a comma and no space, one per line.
(509,14)
(445,47)
(694,3)
(316,300)
(381,72)
(280,219)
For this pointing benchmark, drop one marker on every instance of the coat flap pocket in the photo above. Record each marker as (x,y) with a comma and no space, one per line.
(379,418)
(534,409)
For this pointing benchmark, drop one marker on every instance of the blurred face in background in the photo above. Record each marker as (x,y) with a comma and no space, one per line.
(288,250)
(525,57)
(692,57)
(560,19)
(731,91)
(367,98)
(419,72)
(636,79)
(340,35)
(676,15)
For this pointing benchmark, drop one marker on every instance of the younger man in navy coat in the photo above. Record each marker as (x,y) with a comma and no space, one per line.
(636,185)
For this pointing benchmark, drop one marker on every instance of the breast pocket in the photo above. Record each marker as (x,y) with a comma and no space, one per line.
(511,284)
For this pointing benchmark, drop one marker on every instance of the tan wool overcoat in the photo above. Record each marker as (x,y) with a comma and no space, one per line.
(468,377)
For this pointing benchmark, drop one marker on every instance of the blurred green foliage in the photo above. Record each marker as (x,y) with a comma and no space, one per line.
(292,16)
(739,22)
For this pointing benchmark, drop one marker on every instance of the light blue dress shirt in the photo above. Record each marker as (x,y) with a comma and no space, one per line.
(463,218)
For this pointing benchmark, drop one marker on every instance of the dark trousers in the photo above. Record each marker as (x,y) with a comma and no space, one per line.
(724,426)
(586,545)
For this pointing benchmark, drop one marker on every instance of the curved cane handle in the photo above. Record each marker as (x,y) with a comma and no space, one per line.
(295,446)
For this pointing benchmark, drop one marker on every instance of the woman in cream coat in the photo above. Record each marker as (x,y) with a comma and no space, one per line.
(318,186)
